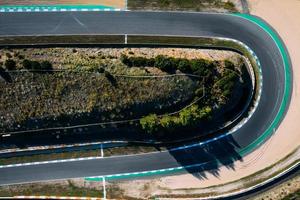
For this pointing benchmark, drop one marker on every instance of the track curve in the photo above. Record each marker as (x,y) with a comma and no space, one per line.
(274,91)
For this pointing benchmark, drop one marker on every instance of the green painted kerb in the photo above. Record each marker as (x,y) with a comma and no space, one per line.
(287,87)
(265,135)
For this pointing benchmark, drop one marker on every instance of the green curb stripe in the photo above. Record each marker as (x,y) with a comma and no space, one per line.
(53,8)
(287,88)
(260,139)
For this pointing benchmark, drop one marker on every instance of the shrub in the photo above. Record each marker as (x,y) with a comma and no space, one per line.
(46,65)
(229,6)
(100,70)
(229,64)
(199,65)
(150,123)
(169,123)
(125,60)
(193,114)
(138,61)
(199,92)
(188,115)
(26,64)
(110,78)
(150,62)
(164,63)
(21,57)
(35,65)
(8,55)
(184,66)
(10,64)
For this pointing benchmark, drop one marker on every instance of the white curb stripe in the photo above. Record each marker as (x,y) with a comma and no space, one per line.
(54,9)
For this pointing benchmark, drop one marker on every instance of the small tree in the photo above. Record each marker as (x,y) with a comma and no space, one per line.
(10,64)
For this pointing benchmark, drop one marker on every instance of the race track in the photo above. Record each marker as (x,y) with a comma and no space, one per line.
(209,156)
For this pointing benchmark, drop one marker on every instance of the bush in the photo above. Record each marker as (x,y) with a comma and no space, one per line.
(229,6)
(150,123)
(110,78)
(21,57)
(164,63)
(150,62)
(138,61)
(100,70)
(193,114)
(26,64)
(35,65)
(169,123)
(184,66)
(10,64)
(125,60)
(199,65)
(8,55)
(46,65)
(229,64)
(199,92)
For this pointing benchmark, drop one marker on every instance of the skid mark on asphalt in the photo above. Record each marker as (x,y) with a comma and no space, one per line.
(80,23)
(58,25)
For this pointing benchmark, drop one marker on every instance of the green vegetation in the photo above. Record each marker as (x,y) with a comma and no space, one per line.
(150,123)
(200,67)
(74,39)
(191,5)
(188,117)
(221,85)
(87,91)
(35,65)
(10,64)
(90,88)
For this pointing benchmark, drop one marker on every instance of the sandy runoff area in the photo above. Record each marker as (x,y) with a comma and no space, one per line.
(284,17)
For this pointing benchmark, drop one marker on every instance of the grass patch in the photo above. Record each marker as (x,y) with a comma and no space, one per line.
(116,151)
(66,39)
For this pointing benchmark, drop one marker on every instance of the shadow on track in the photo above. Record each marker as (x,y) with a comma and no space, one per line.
(5,75)
(213,155)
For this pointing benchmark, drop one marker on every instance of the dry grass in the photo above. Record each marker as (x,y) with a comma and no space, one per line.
(190,5)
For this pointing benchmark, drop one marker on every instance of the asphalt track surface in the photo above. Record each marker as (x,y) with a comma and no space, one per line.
(157,23)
